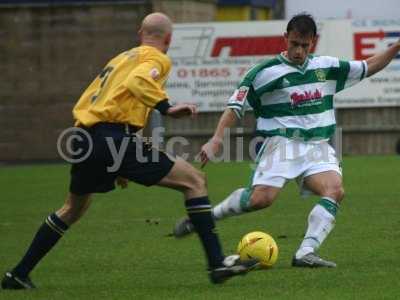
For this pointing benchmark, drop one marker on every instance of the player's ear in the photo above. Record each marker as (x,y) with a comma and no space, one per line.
(314,41)
(167,39)
(286,36)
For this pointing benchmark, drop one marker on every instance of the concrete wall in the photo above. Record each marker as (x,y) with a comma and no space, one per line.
(48,56)
(186,11)
(370,130)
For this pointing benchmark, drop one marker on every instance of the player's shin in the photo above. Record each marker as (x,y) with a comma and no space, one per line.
(235,204)
(46,237)
(199,212)
(321,221)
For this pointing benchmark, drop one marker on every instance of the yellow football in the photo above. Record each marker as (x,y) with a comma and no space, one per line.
(259,245)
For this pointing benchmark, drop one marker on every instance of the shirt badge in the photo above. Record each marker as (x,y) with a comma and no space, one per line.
(242,93)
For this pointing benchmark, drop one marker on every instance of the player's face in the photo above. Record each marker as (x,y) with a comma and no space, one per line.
(298,46)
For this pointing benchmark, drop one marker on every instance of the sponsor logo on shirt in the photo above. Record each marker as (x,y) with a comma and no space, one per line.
(154,73)
(305,97)
(241,93)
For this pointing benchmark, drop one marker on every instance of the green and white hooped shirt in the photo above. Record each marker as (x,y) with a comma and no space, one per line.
(296,101)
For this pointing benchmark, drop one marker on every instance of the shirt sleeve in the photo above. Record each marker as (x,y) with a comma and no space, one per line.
(146,81)
(238,102)
(351,73)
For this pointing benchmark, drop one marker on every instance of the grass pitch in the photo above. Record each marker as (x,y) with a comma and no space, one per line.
(120,250)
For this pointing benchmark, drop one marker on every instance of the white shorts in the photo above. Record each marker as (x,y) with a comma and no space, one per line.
(281,159)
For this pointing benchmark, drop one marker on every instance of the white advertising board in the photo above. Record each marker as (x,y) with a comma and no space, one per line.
(209,59)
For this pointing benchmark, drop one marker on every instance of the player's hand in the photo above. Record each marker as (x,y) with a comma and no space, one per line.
(182,110)
(122,182)
(209,150)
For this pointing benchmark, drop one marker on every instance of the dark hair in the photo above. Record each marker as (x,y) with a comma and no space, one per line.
(303,23)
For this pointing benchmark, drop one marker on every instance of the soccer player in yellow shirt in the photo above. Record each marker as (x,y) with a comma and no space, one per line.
(112,109)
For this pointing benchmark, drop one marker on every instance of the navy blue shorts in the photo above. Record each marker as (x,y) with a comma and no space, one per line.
(97,173)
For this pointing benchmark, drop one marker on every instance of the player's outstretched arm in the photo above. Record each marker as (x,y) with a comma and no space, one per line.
(379,61)
(182,110)
(227,120)
(176,111)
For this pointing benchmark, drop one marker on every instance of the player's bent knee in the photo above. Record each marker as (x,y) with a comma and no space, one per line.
(336,192)
(259,201)
(198,181)
(186,179)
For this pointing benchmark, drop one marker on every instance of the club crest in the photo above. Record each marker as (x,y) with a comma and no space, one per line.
(320,74)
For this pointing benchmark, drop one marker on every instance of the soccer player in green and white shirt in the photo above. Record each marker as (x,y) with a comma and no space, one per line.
(292,99)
